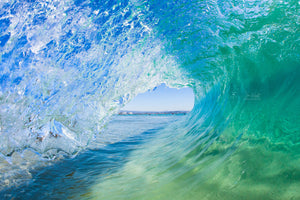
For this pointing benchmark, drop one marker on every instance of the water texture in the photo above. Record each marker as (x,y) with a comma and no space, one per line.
(67,66)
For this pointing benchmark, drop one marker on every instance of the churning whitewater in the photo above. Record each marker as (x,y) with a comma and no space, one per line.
(66,67)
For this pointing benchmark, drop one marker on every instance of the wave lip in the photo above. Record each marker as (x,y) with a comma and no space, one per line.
(67,66)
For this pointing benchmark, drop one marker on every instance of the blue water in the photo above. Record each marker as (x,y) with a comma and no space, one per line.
(72,178)
(67,67)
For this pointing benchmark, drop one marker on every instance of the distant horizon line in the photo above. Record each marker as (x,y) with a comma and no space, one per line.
(153,112)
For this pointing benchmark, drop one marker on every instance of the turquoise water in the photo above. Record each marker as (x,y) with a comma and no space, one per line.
(68,66)
(73,178)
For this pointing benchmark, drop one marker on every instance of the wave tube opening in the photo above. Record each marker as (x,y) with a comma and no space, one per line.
(68,66)
(162,99)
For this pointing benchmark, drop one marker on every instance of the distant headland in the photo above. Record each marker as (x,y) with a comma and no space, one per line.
(153,112)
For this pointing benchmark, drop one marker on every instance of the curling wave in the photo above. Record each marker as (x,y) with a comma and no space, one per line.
(66,66)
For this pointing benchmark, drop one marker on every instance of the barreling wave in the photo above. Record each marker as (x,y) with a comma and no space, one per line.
(66,66)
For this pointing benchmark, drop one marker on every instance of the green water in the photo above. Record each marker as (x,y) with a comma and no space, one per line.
(242,139)
(61,81)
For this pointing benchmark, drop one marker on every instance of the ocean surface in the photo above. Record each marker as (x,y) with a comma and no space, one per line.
(67,67)
(74,178)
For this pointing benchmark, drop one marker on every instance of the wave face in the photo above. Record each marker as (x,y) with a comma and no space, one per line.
(66,66)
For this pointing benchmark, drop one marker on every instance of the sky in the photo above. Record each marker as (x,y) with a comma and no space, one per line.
(163,98)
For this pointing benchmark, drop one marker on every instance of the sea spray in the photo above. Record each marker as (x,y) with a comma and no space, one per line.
(67,65)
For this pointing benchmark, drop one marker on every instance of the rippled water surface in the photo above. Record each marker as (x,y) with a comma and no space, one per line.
(67,66)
